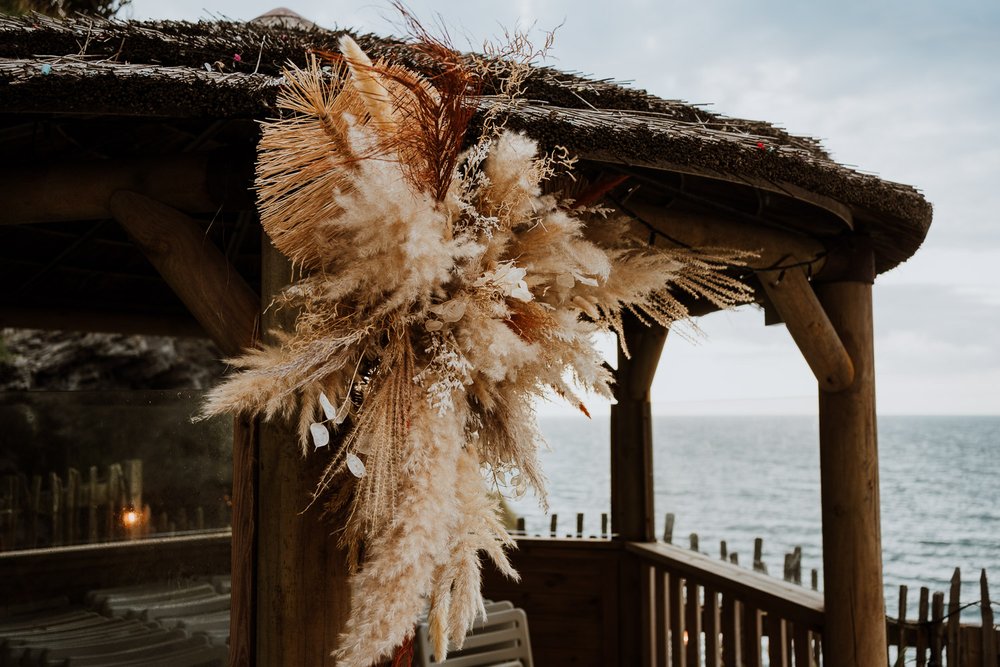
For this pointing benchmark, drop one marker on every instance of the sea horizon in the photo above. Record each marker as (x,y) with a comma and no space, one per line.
(739,477)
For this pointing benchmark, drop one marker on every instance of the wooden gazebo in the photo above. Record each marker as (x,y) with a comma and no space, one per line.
(128,159)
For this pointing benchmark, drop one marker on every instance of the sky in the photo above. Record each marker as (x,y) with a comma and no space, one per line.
(906,89)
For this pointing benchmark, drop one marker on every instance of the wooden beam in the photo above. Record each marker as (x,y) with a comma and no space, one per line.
(782,188)
(794,299)
(774,248)
(196,270)
(302,592)
(191,182)
(854,633)
(59,318)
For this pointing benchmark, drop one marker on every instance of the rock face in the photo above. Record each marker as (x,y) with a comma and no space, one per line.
(32,360)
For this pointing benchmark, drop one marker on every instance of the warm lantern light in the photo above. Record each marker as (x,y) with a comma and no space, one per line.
(130,518)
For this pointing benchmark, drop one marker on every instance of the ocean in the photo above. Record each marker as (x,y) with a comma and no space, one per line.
(739,478)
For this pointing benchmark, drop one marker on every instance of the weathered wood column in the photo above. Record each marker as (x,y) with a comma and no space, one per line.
(854,632)
(632,474)
(302,596)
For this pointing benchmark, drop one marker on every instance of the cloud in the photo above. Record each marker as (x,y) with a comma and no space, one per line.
(903,88)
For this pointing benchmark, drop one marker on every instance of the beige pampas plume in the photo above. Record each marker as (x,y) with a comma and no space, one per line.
(438,296)
(388,592)
(367,82)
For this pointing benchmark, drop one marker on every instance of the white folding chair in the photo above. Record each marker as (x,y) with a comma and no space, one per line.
(499,640)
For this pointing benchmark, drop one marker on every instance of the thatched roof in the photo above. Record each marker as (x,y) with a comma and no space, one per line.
(92,89)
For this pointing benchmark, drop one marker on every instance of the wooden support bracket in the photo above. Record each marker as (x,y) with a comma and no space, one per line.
(794,299)
(196,270)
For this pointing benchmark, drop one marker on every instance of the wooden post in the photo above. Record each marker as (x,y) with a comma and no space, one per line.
(302,597)
(632,471)
(854,634)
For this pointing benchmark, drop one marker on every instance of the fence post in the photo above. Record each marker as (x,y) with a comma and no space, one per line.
(989,632)
(937,627)
(954,621)
(901,629)
(922,632)
(758,551)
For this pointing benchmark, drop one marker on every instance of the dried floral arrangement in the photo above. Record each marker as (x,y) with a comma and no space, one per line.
(442,293)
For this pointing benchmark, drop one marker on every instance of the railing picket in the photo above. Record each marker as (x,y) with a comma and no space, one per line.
(800,645)
(692,622)
(647,618)
(710,621)
(676,593)
(777,641)
(662,617)
(752,635)
(731,636)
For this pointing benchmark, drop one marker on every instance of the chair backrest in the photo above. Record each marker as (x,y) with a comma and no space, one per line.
(500,639)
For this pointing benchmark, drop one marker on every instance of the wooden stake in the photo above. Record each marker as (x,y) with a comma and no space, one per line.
(954,634)
(195,269)
(989,634)
(854,634)
(901,629)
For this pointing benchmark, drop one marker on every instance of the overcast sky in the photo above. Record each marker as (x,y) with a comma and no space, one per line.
(907,89)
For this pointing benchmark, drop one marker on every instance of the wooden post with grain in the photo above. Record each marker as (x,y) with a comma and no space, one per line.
(302,596)
(632,475)
(854,633)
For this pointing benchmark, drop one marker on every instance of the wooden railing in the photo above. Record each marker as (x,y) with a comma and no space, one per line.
(704,611)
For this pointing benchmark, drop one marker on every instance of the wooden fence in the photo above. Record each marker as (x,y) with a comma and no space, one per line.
(101,506)
(55,511)
(701,610)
